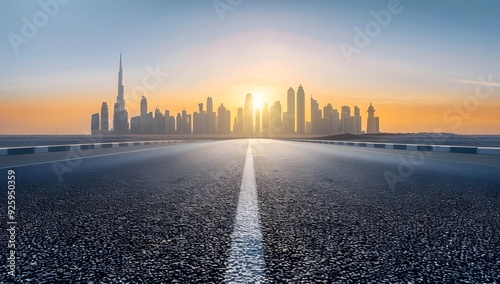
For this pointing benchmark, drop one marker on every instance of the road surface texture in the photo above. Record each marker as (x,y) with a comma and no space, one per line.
(254,210)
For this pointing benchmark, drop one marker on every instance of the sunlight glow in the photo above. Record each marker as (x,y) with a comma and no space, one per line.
(258,99)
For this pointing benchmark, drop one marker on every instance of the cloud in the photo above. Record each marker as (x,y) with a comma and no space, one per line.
(477,82)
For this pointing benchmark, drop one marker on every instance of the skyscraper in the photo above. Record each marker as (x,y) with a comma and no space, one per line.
(94,124)
(335,120)
(275,119)
(314,118)
(104,118)
(301,110)
(330,119)
(224,120)
(210,117)
(265,118)
(317,124)
(372,121)
(120,116)
(239,121)
(199,120)
(356,111)
(144,113)
(257,121)
(345,119)
(289,119)
(248,113)
(178,124)
(149,122)
(170,123)
(221,119)
(135,124)
(356,121)
(210,104)
(185,125)
(159,122)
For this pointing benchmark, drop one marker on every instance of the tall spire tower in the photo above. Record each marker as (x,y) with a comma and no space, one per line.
(120,99)
(120,118)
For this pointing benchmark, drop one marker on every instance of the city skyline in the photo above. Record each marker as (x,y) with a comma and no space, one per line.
(247,121)
(420,63)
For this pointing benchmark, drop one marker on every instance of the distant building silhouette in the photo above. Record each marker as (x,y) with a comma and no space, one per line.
(301,110)
(149,123)
(135,125)
(235,125)
(289,116)
(144,113)
(248,112)
(265,118)
(178,124)
(223,120)
(185,125)
(335,120)
(159,122)
(170,123)
(200,121)
(120,115)
(257,121)
(94,124)
(316,117)
(275,118)
(330,120)
(345,119)
(238,125)
(372,121)
(104,118)
(356,121)
(210,117)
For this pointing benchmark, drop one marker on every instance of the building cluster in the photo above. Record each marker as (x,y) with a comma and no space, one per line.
(247,121)
(157,122)
(331,121)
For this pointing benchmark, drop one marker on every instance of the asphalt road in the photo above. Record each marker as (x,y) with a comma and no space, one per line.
(276,212)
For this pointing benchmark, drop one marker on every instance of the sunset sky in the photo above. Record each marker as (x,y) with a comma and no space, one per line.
(421,68)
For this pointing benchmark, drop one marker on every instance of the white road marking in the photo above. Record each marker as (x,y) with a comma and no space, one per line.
(246,258)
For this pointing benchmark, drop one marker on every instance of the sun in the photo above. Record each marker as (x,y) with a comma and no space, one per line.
(257,100)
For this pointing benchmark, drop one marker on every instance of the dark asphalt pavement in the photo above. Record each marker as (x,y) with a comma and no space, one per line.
(150,214)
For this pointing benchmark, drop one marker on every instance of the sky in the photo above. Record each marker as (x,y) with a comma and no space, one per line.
(425,65)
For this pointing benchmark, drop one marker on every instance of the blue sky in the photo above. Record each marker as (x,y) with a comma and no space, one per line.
(260,46)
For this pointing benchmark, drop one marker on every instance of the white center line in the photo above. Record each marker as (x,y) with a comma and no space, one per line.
(246,259)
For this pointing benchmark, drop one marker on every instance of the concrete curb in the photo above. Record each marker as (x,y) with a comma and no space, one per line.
(77,147)
(413,147)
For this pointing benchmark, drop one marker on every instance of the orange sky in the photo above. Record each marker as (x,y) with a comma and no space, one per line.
(72,116)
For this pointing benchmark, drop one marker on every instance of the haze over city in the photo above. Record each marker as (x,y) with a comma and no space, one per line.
(418,63)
